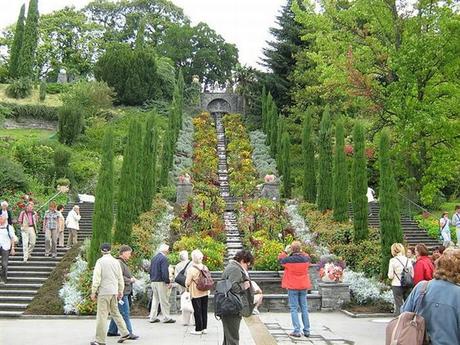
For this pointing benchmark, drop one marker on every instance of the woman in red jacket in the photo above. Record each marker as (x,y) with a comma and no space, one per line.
(297,281)
(424,268)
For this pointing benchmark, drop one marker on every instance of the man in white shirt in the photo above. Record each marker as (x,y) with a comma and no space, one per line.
(456,223)
(7,241)
(72,223)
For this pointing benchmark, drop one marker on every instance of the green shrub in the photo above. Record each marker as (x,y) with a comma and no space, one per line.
(213,250)
(85,166)
(71,122)
(37,159)
(361,257)
(42,95)
(31,111)
(12,177)
(266,256)
(89,97)
(55,88)
(19,88)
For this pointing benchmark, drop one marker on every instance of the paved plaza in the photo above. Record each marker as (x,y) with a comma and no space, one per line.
(327,329)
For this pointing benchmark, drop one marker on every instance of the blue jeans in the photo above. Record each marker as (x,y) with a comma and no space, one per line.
(124,311)
(298,298)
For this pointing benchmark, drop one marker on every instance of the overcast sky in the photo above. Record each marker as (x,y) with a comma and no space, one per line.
(242,22)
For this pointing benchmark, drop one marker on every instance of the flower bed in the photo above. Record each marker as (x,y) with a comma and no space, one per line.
(242,173)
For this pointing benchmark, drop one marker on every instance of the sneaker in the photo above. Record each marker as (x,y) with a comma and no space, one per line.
(255,312)
(205,331)
(54,256)
(133,337)
(295,335)
(96,343)
(196,332)
(113,334)
(169,321)
(123,338)
(306,334)
(47,255)
(154,321)
(2,282)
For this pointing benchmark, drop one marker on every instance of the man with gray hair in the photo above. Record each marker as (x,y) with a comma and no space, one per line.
(161,285)
(72,223)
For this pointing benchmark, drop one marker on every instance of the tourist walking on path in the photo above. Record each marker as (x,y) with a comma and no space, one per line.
(123,305)
(161,285)
(440,307)
(397,265)
(5,212)
(108,286)
(423,269)
(237,273)
(7,241)
(297,281)
(370,194)
(444,228)
(199,297)
(61,226)
(180,274)
(456,223)
(50,228)
(28,221)
(72,223)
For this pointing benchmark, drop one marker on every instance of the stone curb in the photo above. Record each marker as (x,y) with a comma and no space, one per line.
(365,315)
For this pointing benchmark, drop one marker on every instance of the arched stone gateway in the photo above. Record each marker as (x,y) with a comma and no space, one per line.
(222,102)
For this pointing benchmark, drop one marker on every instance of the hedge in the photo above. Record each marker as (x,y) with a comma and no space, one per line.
(38,111)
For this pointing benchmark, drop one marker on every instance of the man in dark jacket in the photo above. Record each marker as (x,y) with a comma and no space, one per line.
(297,281)
(123,304)
(161,285)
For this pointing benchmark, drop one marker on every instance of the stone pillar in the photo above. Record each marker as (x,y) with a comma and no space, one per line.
(270,191)
(62,77)
(183,191)
(334,295)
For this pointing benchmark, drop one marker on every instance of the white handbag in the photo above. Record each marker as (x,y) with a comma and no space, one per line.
(186,302)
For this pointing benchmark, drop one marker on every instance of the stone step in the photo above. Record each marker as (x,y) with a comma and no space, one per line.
(16,292)
(28,268)
(21,286)
(23,274)
(33,262)
(13,306)
(16,299)
(10,313)
(19,280)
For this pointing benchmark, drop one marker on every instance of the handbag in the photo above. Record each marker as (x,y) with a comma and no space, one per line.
(181,277)
(186,302)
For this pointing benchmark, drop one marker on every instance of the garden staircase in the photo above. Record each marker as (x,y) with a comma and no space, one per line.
(233,240)
(413,234)
(26,278)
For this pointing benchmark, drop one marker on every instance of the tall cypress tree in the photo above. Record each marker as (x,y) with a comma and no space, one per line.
(127,199)
(103,206)
(138,181)
(270,110)
(166,156)
(390,224)
(340,175)
(359,187)
(29,45)
(286,152)
(17,45)
(181,87)
(308,154)
(280,132)
(325,163)
(264,106)
(149,164)
(274,134)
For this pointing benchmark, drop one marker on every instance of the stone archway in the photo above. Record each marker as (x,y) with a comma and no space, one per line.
(219,105)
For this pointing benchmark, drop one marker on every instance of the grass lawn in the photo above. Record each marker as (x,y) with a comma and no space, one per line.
(50,100)
(24,133)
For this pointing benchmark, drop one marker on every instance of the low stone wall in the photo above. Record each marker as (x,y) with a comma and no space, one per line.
(27,123)
(334,295)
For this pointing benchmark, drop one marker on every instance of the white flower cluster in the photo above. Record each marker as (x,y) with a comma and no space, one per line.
(163,227)
(301,228)
(365,289)
(263,162)
(69,293)
(141,284)
(184,148)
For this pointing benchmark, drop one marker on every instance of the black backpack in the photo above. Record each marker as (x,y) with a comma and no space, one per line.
(181,277)
(226,302)
(406,278)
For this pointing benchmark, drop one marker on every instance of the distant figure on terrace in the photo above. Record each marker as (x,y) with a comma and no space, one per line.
(456,223)
(73,224)
(297,281)
(397,265)
(444,229)
(424,268)
(370,199)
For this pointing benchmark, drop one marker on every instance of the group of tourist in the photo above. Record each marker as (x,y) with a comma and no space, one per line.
(444,227)
(28,220)
(438,278)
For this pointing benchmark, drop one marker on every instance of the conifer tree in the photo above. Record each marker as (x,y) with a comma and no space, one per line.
(359,184)
(308,154)
(181,87)
(139,44)
(390,224)
(30,41)
(274,133)
(270,109)
(138,177)
(340,175)
(103,206)
(264,106)
(280,132)
(149,164)
(286,151)
(325,163)
(127,200)
(166,156)
(17,45)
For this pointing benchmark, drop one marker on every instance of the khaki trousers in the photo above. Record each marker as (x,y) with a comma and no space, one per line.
(160,295)
(51,237)
(28,241)
(108,304)
(73,239)
(61,238)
